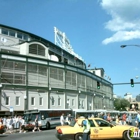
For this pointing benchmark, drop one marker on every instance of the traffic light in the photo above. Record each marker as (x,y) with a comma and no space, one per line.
(98,84)
(132,82)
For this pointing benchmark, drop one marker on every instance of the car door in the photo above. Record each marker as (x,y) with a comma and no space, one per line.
(93,130)
(104,130)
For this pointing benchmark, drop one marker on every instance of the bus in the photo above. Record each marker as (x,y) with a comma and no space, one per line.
(50,118)
(95,113)
(90,113)
(133,113)
(47,118)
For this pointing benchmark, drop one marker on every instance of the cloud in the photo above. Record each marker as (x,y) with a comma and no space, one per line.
(122,36)
(125,19)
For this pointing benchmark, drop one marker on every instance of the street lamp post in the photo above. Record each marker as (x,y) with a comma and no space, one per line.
(114,103)
(123,46)
(94,106)
(0,95)
(25,98)
(103,101)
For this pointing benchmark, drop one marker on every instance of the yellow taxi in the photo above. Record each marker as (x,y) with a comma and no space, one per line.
(100,129)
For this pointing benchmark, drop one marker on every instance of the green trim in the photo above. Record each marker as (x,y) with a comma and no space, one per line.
(77,72)
(43,59)
(48,76)
(27,95)
(0,68)
(0,83)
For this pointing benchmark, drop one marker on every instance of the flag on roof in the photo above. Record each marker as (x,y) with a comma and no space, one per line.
(88,65)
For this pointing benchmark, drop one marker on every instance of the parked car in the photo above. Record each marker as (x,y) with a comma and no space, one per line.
(100,129)
(2,129)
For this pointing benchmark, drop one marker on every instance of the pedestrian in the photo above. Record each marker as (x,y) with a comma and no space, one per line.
(100,115)
(124,119)
(105,116)
(36,124)
(11,124)
(86,129)
(4,122)
(92,116)
(22,125)
(118,120)
(17,122)
(137,120)
(68,119)
(109,119)
(7,122)
(129,119)
(62,120)
(116,117)
(1,121)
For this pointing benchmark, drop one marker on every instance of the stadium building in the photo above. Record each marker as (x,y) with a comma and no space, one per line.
(39,74)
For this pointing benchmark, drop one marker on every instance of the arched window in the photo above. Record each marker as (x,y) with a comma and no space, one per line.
(59,101)
(52,100)
(37,49)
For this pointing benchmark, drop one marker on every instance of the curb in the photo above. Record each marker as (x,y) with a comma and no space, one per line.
(3,135)
(11,132)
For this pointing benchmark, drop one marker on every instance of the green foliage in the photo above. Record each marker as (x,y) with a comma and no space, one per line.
(121,104)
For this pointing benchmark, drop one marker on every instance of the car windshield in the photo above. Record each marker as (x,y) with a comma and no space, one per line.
(72,122)
(102,123)
(31,117)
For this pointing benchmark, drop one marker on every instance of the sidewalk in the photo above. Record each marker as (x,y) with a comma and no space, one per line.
(12,131)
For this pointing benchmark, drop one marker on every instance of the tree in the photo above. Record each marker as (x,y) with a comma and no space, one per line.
(121,104)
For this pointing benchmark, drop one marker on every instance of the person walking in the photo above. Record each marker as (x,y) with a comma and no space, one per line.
(105,116)
(86,129)
(62,120)
(16,122)
(68,119)
(129,118)
(10,125)
(137,120)
(4,123)
(118,120)
(22,125)
(1,121)
(36,124)
(7,122)
(124,119)
(100,115)
(109,119)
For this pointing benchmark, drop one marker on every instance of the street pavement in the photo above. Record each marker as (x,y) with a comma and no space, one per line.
(43,135)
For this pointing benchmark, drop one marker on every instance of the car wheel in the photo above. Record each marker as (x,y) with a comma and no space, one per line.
(47,126)
(79,137)
(125,136)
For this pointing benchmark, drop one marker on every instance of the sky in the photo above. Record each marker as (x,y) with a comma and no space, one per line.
(96,30)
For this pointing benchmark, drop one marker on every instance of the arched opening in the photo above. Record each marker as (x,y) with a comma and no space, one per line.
(37,49)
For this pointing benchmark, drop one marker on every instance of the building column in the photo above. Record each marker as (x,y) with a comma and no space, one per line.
(65,101)
(0,96)
(94,106)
